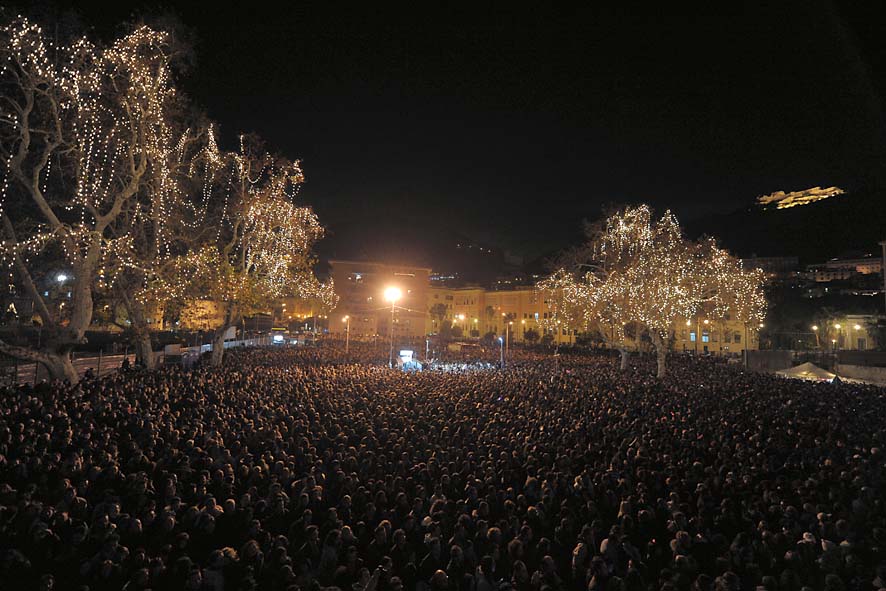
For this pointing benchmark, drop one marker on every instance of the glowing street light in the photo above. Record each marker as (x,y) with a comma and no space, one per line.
(501,345)
(815,330)
(392,294)
(347,333)
(61,277)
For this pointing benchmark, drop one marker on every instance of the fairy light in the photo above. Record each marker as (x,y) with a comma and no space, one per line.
(124,206)
(646,272)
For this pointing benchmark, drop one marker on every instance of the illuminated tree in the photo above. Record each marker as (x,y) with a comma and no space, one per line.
(562,299)
(598,271)
(80,126)
(160,224)
(663,282)
(636,270)
(262,247)
(725,289)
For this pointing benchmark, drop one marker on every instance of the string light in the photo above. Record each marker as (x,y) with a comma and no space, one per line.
(644,272)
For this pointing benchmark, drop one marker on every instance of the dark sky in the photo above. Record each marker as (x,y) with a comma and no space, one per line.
(509,125)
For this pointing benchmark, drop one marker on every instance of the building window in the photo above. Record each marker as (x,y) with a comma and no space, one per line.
(705,337)
(736,337)
(692,336)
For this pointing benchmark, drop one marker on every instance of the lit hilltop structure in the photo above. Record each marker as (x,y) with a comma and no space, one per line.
(782,200)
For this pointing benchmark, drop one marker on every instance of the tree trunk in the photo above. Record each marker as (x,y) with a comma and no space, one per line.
(661,354)
(58,361)
(625,354)
(61,367)
(218,347)
(141,337)
(144,352)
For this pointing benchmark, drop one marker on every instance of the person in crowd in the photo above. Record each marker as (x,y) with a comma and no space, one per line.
(303,469)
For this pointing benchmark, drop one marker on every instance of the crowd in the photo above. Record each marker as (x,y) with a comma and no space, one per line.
(300,469)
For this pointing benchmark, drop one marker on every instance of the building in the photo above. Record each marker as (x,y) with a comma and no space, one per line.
(841,269)
(848,332)
(360,286)
(426,309)
(708,335)
(477,311)
(775,268)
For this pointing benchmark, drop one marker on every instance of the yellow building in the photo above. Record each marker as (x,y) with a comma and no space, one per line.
(709,335)
(425,309)
(849,332)
(510,313)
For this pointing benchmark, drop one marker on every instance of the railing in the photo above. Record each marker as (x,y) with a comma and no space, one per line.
(16,372)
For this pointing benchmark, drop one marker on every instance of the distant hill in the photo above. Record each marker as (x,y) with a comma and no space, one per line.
(851,223)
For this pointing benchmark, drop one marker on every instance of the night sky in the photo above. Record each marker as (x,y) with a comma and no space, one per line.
(505,127)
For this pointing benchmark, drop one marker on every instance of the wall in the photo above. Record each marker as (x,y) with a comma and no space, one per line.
(876,375)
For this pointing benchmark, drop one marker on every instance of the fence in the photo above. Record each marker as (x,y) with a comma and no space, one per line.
(15,372)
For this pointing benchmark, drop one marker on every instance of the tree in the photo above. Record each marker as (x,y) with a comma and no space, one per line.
(263,246)
(724,288)
(876,328)
(642,273)
(161,224)
(561,297)
(490,316)
(438,313)
(531,335)
(80,126)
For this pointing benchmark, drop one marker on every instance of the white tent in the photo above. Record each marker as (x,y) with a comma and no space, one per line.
(808,371)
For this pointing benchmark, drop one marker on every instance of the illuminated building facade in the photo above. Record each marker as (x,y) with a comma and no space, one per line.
(477,311)
(425,309)
(708,335)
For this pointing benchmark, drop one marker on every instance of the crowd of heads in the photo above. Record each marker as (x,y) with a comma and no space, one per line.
(300,468)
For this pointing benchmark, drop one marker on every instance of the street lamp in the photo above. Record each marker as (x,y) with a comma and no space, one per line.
(61,277)
(392,294)
(838,327)
(461,318)
(347,333)
(815,330)
(501,345)
(856,327)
